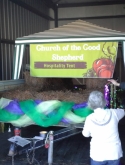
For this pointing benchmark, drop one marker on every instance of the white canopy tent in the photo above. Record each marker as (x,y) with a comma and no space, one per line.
(78,31)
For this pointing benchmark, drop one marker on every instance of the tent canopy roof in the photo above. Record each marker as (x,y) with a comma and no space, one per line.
(74,31)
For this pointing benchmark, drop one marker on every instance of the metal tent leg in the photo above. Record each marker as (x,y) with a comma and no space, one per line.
(124,53)
(50,149)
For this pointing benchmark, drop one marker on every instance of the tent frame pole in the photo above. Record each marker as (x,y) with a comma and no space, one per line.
(17,60)
(124,53)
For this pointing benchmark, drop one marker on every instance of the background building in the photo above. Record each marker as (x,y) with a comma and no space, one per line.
(24,17)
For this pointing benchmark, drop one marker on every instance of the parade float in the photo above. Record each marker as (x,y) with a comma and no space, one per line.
(78,50)
(47,96)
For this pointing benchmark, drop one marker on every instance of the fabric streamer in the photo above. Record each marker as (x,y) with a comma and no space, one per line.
(82,105)
(4,102)
(40,118)
(65,121)
(42,113)
(23,121)
(6,116)
(83,112)
(13,107)
(48,106)
(37,102)
(74,118)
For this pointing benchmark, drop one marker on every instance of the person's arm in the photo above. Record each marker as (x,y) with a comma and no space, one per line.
(86,130)
(114,82)
(120,113)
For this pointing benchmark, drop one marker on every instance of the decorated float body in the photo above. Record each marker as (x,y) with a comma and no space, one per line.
(96,59)
(80,37)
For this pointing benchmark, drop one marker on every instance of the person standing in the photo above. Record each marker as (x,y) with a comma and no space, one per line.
(114,82)
(102,127)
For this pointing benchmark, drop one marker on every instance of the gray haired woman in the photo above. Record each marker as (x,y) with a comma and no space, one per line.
(102,126)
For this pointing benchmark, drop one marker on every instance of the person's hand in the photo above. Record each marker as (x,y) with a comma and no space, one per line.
(114,82)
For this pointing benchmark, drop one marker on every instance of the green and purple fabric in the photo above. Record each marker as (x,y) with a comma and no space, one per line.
(42,113)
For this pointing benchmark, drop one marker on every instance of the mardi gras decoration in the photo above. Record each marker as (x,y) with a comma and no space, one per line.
(42,113)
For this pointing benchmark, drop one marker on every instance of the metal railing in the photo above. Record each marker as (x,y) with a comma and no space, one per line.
(10,84)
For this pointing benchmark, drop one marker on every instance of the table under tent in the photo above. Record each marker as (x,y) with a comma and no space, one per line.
(69,51)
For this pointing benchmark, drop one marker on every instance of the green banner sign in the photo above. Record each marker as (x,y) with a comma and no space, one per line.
(73,60)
